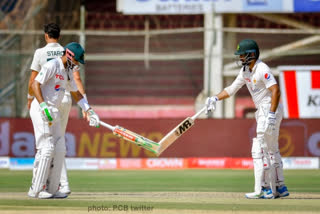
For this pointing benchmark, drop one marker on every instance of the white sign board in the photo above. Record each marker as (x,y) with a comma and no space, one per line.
(300,90)
(203,6)
(300,162)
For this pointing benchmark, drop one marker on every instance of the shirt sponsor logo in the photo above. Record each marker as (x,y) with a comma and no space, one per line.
(58,76)
(267,76)
(57,88)
(247,79)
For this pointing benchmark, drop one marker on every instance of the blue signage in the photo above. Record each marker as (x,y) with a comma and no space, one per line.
(21,163)
(306,5)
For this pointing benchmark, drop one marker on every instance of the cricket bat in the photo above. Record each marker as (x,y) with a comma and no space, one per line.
(132,137)
(179,130)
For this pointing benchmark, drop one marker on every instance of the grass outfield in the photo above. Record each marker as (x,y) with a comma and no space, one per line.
(175,191)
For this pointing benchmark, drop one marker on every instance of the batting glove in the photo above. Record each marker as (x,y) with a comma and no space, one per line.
(46,112)
(270,123)
(211,104)
(93,118)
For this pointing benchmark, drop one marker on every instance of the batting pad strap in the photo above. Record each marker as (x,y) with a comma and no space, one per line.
(84,104)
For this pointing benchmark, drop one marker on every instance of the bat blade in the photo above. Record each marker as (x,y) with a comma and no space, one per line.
(136,139)
(174,134)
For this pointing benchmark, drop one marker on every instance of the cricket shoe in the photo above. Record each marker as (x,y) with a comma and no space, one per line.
(59,194)
(31,193)
(282,191)
(65,190)
(267,193)
(42,195)
(45,195)
(255,195)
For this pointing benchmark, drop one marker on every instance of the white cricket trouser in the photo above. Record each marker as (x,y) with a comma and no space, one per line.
(265,152)
(50,145)
(65,108)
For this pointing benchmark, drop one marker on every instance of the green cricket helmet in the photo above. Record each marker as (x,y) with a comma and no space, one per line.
(75,50)
(246,47)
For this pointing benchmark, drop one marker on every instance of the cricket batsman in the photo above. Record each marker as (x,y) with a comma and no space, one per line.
(41,56)
(49,86)
(265,92)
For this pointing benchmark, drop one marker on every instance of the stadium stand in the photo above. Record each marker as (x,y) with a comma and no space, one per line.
(130,82)
(142,81)
(123,84)
(173,82)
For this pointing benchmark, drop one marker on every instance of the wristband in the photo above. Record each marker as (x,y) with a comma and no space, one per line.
(30,96)
(84,104)
(85,97)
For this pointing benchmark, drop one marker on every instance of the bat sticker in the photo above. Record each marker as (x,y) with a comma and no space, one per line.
(184,127)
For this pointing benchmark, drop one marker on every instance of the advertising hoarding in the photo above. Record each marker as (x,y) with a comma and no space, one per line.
(208,138)
(154,7)
(300,87)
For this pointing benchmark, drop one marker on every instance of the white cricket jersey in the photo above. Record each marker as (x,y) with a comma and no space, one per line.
(54,81)
(258,81)
(45,54)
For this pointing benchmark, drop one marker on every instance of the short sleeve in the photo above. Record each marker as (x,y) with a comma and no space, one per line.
(46,73)
(267,78)
(35,65)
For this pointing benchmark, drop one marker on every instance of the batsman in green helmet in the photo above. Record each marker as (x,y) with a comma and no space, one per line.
(248,51)
(49,87)
(265,93)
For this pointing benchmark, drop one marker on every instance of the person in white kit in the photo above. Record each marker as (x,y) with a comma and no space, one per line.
(265,92)
(49,86)
(42,55)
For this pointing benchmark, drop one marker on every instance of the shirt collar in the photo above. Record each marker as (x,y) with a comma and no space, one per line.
(53,44)
(255,65)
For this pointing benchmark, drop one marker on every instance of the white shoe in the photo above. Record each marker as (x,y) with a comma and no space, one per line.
(42,195)
(65,190)
(254,195)
(59,194)
(31,193)
(45,195)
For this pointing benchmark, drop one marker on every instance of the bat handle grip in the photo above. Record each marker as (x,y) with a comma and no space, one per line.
(198,113)
(107,125)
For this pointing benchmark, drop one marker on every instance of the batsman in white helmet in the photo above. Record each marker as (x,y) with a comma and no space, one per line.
(265,92)
(54,78)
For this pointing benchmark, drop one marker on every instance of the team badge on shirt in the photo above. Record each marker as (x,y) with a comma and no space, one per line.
(267,76)
(254,81)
